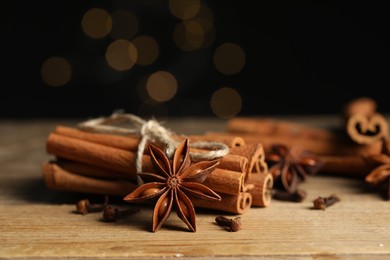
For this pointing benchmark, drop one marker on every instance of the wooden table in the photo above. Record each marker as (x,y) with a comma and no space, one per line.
(38,223)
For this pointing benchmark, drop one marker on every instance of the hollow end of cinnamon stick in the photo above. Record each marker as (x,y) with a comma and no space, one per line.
(254,152)
(262,191)
(366,129)
(236,204)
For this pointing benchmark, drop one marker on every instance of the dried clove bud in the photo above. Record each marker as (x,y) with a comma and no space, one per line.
(111,214)
(324,202)
(298,196)
(232,225)
(84,206)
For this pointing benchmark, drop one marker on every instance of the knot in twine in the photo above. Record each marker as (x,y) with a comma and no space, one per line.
(152,131)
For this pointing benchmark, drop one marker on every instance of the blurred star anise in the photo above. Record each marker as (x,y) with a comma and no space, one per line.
(290,166)
(174,182)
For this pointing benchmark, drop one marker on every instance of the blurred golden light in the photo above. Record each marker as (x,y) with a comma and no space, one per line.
(96,23)
(189,35)
(184,9)
(229,58)
(205,13)
(208,29)
(226,102)
(161,86)
(124,25)
(56,71)
(121,55)
(148,49)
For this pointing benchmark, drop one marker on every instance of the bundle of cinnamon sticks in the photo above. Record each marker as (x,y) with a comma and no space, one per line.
(99,163)
(349,150)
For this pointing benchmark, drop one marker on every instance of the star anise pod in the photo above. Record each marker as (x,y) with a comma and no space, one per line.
(380,175)
(290,166)
(174,182)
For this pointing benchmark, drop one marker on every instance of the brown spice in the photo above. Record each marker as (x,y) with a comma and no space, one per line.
(84,206)
(324,202)
(298,196)
(172,184)
(364,125)
(232,224)
(111,214)
(290,166)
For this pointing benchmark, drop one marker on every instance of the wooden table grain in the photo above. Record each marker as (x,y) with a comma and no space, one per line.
(38,223)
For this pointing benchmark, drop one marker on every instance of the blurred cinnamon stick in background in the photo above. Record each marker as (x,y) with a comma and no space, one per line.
(364,125)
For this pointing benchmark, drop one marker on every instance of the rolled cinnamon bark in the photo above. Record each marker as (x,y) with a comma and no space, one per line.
(225,181)
(254,152)
(231,141)
(91,170)
(317,146)
(121,161)
(129,143)
(95,154)
(272,126)
(117,159)
(262,190)
(351,166)
(59,179)
(364,125)
(237,204)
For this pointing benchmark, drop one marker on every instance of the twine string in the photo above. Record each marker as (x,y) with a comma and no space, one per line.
(153,131)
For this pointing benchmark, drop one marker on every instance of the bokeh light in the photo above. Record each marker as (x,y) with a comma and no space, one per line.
(205,13)
(189,35)
(148,49)
(56,71)
(161,86)
(96,23)
(226,102)
(184,9)
(124,25)
(121,55)
(229,58)
(208,31)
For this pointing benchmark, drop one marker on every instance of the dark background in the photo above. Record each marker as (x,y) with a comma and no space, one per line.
(302,58)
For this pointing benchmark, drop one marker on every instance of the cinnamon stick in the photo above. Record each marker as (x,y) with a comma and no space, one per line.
(95,154)
(225,181)
(316,146)
(262,190)
(254,152)
(364,125)
(121,161)
(91,170)
(351,166)
(57,178)
(230,141)
(237,204)
(271,126)
(129,143)
(117,159)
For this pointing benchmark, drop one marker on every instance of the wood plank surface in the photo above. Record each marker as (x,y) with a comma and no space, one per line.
(38,223)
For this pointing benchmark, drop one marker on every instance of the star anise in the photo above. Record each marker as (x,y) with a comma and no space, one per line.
(290,166)
(380,175)
(174,182)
